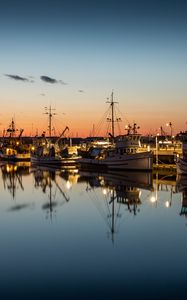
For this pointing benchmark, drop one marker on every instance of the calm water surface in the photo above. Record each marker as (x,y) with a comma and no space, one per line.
(79,235)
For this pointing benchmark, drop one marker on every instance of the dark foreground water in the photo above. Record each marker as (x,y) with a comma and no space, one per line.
(78,235)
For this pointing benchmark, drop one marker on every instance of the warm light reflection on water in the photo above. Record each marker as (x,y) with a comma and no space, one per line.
(85,235)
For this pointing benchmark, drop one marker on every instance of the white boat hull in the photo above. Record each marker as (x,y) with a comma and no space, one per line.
(57,160)
(137,161)
(15,157)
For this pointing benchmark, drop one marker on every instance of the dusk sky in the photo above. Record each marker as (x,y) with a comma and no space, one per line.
(72,54)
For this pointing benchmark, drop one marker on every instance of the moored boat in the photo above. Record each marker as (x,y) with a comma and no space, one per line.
(47,152)
(124,155)
(12,148)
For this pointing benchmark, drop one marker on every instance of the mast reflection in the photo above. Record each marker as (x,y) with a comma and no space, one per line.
(120,191)
(12,176)
(46,179)
(182,188)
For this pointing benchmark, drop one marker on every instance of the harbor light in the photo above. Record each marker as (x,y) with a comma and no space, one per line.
(7,168)
(104,192)
(68,184)
(153,199)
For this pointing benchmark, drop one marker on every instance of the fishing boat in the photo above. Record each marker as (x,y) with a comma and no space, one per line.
(12,148)
(124,154)
(46,151)
(49,158)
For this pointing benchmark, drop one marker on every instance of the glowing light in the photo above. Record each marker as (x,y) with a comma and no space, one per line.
(104,191)
(167,204)
(153,199)
(8,169)
(68,184)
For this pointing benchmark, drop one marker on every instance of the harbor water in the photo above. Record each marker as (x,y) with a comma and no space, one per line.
(67,234)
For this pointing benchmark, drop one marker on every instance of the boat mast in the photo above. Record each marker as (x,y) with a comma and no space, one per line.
(12,129)
(50,113)
(112,109)
(112,120)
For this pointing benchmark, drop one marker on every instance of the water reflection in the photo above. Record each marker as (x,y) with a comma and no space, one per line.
(118,192)
(12,176)
(140,213)
(117,189)
(182,188)
(46,179)
(164,184)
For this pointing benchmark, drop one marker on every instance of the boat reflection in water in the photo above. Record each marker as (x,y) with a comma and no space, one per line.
(182,188)
(164,184)
(46,179)
(130,207)
(12,176)
(120,191)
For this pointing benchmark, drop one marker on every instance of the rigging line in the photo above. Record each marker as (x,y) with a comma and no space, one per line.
(122,115)
(20,181)
(117,217)
(109,212)
(58,123)
(106,113)
(117,121)
(99,207)
(107,130)
(102,120)
(119,129)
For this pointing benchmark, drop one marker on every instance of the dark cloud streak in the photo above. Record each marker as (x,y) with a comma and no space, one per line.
(16,77)
(51,80)
(48,79)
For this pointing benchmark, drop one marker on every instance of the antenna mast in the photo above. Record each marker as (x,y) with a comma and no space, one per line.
(49,111)
(112,102)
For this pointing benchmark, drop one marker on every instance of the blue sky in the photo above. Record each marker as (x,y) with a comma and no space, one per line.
(137,48)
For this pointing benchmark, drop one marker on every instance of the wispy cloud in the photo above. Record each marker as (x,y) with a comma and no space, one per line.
(62,82)
(51,80)
(16,77)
